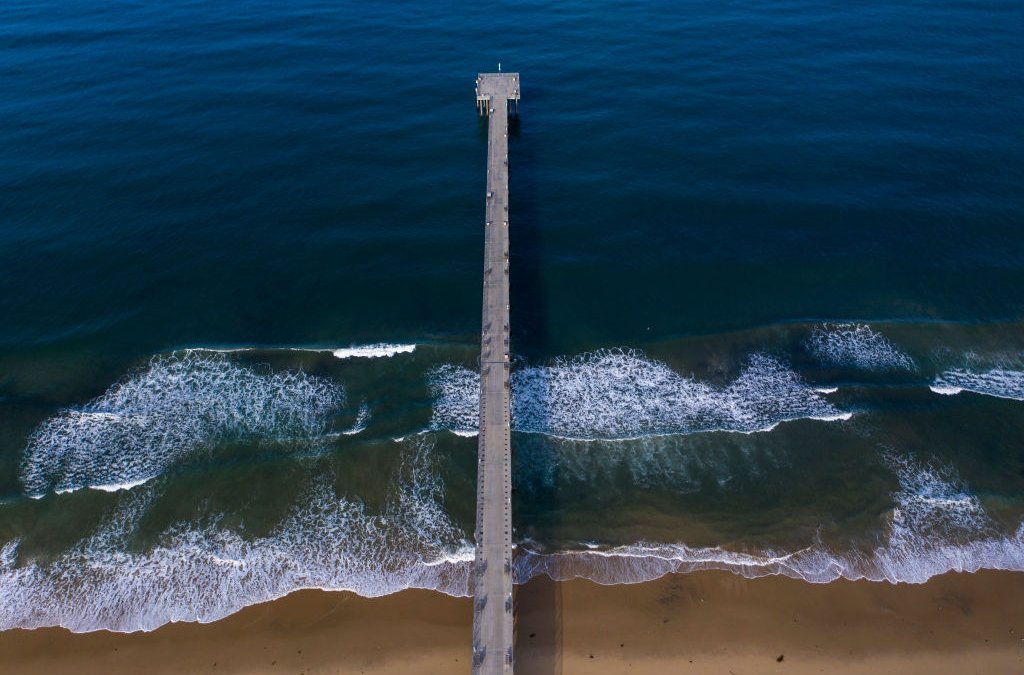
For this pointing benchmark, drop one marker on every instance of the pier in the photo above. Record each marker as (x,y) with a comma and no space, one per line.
(493,616)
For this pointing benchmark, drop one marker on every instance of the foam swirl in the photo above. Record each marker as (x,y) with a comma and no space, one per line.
(616,394)
(178,404)
(997,382)
(851,345)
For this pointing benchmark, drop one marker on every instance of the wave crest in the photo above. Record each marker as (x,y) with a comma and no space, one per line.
(380,350)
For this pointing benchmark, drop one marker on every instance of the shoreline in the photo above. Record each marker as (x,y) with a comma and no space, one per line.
(708,621)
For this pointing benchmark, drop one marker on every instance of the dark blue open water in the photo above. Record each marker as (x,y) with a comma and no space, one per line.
(768,295)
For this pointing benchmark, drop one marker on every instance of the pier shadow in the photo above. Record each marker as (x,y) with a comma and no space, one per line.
(539,627)
(530,336)
(538,603)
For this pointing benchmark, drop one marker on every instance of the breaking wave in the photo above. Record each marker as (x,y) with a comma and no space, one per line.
(935,527)
(202,571)
(362,418)
(851,345)
(179,404)
(373,351)
(996,382)
(616,394)
(456,393)
(205,572)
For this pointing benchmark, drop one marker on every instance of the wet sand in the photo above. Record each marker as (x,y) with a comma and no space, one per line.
(707,622)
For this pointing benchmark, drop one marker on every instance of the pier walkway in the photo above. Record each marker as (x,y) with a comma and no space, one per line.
(493,616)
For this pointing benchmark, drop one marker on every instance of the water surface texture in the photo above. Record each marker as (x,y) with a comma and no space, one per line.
(767,296)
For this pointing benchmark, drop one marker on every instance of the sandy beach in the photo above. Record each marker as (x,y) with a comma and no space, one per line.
(707,622)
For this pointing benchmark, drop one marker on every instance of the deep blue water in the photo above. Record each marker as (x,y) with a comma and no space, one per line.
(720,212)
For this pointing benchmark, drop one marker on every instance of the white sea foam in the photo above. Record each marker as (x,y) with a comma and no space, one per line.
(115,487)
(620,394)
(177,405)
(936,526)
(362,418)
(9,555)
(205,572)
(373,351)
(456,398)
(852,345)
(997,382)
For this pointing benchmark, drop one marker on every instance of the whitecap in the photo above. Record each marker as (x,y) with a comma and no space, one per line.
(180,403)
(456,398)
(617,394)
(997,382)
(116,487)
(368,351)
(851,345)
(375,351)
(362,418)
(9,555)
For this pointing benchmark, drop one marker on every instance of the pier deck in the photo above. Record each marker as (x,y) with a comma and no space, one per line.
(493,615)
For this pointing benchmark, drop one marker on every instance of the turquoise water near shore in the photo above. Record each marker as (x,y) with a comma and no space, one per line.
(767,268)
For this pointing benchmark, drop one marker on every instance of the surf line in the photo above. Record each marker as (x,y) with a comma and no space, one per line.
(367,351)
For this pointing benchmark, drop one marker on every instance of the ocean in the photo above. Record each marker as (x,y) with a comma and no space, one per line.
(767,270)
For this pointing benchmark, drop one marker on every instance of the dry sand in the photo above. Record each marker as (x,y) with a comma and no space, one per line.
(707,622)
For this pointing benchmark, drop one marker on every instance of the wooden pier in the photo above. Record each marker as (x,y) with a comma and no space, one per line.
(493,616)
